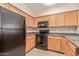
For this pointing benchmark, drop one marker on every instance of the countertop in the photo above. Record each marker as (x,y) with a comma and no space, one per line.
(73,37)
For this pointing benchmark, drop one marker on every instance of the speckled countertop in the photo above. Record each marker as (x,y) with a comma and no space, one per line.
(73,37)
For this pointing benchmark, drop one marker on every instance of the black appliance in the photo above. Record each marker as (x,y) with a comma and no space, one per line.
(12,32)
(42,36)
(43,24)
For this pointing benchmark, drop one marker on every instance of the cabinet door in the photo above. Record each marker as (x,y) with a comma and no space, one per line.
(60,19)
(64,45)
(57,44)
(71,18)
(53,21)
(54,43)
(51,44)
(35,22)
(72,47)
(30,21)
(27,45)
(43,18)
(32,42)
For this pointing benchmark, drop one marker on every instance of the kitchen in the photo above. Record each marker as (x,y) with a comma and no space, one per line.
(50,29)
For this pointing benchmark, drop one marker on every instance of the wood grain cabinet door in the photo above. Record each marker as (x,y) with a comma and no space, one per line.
(73,48)
(51,44)
(30,21)
(28,45)
(64,45)
(60,18)
(33,44)
(53,21)
(54,43)
(57,44)
(71,18)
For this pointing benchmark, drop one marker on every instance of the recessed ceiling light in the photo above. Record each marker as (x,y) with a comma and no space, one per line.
(49,4)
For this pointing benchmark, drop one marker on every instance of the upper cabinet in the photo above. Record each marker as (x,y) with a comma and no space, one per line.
(5,5)
(52,21)
(71,18)
(30,21)
(60,19)
(56,20)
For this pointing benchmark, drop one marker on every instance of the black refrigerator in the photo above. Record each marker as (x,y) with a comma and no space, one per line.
(12,33)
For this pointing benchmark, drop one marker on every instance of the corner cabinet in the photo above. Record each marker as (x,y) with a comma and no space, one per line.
(71,50)
(63,45)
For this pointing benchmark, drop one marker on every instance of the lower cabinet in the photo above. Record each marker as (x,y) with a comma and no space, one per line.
(51,43)
(63,45)
(54,43)
(30,43)
(71,49)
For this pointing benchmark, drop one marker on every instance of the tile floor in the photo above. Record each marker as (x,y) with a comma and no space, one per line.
(39,52)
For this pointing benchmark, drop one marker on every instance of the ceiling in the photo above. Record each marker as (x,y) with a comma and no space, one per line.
(41,9)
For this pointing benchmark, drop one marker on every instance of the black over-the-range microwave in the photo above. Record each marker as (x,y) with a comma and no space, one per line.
(43,24)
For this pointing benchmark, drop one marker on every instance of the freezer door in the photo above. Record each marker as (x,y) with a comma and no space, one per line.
(11,20)
(0,20)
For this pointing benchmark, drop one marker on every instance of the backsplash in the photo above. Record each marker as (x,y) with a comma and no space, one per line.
(62,29)
(54,29)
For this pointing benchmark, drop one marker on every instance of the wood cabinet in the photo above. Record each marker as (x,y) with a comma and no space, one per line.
(71,18)
(30,43)
(23,13)
(71,49)
(56,20)
(63,45)
(54,43)
(60,19)
(14,9)
(57,44)
(31,21)
(78,17)
(5,5)
(51,43)
(53,21)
